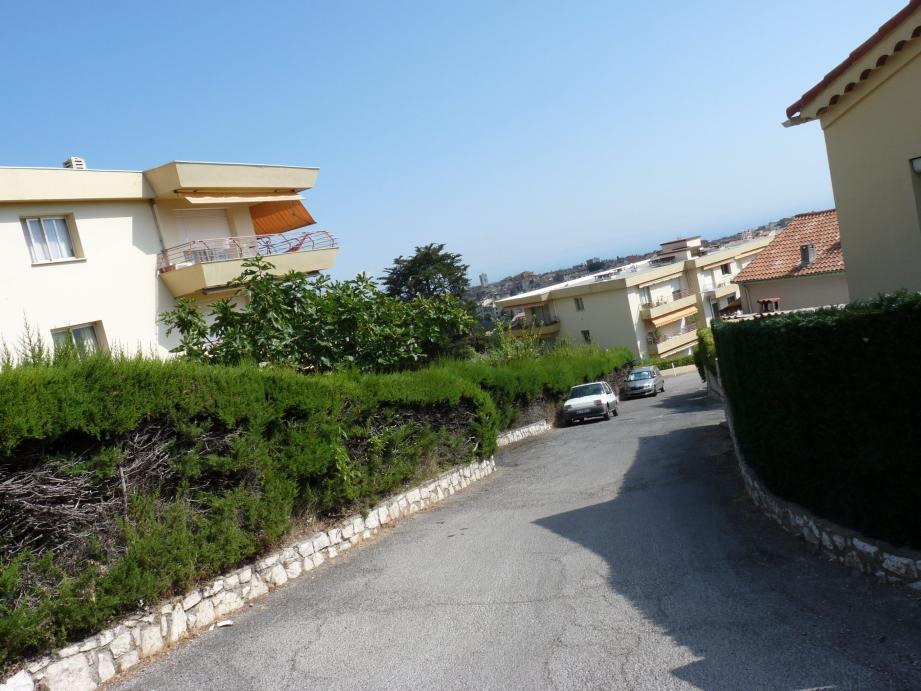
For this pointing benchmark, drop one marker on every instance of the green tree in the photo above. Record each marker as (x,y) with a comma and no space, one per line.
(319,325)
(430,272)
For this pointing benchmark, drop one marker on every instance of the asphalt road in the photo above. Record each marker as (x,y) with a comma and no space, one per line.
(619,554)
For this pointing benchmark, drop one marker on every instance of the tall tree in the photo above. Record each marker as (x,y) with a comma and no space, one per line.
(430,272)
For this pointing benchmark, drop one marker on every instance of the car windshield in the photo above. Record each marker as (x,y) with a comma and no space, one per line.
(586,390)
(636,376)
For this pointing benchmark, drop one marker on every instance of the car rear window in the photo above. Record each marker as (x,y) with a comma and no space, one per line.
(586,390)
(635,376)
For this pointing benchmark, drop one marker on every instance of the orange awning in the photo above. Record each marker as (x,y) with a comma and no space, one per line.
(270,218)
(673,316)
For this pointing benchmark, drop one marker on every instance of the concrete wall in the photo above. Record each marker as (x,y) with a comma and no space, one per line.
(796,293)
(878,197)
(115,282)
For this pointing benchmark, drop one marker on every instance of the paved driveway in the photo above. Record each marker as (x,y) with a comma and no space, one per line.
(619,554)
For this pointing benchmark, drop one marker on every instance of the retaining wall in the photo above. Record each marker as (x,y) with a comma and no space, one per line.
(517,435)
(85,665)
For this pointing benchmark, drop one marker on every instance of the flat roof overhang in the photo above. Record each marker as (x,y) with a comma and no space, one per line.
(185,179)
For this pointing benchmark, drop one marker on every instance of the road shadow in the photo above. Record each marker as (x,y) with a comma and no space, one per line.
(757,608)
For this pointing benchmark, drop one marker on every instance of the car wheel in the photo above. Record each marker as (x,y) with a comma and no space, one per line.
(655,392)
(615,410)
(607,413)
(662,388)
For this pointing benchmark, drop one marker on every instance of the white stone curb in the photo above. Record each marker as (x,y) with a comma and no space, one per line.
(875,558)
(516,435)
(85,665)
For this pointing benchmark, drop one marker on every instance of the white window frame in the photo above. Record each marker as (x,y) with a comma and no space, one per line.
(94,328)
(47,228)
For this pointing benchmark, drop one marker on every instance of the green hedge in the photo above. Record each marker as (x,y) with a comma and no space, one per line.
(704,356)
(826,407)
(249,451)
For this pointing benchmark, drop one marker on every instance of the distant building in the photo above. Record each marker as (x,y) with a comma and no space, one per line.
(802,267)
(484,280)
(653,307)
(869,107)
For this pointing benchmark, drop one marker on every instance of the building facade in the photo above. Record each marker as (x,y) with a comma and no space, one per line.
(95,256)
(653,308)
(802,267)
(869,109)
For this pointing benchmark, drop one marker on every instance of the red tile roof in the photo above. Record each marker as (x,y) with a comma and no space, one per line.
(781,258)
(855,55)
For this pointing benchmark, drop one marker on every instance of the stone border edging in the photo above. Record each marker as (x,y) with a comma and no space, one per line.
(85,665)
(520,433)
(872,557)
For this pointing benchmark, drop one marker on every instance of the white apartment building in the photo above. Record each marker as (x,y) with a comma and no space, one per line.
(97,255)
(654,307)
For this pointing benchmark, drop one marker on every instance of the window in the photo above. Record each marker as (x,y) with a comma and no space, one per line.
(49,239)
(580,306)
(587,336)
(85,337)
(806,254)
(725,269)
(769,305)
(586,390)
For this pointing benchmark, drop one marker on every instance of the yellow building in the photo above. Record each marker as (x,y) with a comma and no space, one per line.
(869,107)
(653,307)
(97,255)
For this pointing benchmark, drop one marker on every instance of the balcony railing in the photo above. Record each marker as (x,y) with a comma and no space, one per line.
(676,295)
(223,249)
(653,339)
(534,322)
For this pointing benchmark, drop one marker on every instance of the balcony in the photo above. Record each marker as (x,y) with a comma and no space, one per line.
(542,328)
(724,289)
(680,299)
(211,264)
(667,345)
(721,288)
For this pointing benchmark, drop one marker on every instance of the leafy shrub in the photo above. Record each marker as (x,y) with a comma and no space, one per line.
(704,353)
(825,405)
(319,325)
(217,462)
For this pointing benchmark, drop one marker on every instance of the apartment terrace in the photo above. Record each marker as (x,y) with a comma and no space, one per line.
(210,264)
(663,346)
(542,328)
(680,300)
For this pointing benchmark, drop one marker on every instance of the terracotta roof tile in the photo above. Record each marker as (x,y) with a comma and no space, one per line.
(781,258)
(856,54)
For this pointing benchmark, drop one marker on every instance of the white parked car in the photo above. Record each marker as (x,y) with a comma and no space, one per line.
(597,399)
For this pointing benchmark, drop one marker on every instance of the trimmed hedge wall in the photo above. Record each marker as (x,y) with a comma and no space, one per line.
(827,409)
(222,462)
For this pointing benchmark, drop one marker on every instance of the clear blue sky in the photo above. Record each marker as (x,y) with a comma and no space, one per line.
(524,134)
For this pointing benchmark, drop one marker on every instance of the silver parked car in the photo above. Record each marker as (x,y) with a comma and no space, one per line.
(643,381)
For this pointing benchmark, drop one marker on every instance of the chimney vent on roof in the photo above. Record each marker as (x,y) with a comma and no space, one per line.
(75,163)
(807,254)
